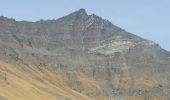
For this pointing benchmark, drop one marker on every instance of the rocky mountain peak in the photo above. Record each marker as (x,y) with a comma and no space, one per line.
(81,11)
(95,57)
(81,14)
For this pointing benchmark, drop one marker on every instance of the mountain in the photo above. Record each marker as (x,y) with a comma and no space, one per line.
(79,56)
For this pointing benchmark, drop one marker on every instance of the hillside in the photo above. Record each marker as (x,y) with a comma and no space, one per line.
(28,82)
(79,56)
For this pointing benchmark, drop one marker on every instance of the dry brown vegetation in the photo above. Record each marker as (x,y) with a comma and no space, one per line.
(157,97)
(29,82)
(135,98)
(34,83)
(89,85)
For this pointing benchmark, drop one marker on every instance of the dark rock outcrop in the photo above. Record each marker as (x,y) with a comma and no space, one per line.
(89,47)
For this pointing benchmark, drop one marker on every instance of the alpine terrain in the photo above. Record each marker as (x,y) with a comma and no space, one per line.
(79,57)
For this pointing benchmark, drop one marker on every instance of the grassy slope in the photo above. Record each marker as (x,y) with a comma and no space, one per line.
(29,82)
(33,83)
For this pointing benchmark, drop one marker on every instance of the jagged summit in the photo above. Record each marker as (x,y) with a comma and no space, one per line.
(82,11)
(89,55)
(81,14)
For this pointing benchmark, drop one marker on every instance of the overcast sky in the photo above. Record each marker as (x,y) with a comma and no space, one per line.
(147,18)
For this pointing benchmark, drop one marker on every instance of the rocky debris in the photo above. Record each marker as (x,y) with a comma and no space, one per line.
(108,57)
(113,47)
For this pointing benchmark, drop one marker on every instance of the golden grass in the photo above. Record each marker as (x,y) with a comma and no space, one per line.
(88,84)
(34,83)
(125,81)
(144,83)
(135,98)
(157,97)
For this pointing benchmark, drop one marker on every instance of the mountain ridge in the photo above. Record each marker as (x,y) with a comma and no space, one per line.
(96,58)
(80,11)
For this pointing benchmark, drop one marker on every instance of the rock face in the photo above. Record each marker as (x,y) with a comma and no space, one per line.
(97,58)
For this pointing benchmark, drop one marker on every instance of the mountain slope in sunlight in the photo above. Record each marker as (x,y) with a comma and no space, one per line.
(79,56)
(33,83)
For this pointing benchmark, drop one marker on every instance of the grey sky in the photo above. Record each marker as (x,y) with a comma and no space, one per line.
(147,18)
